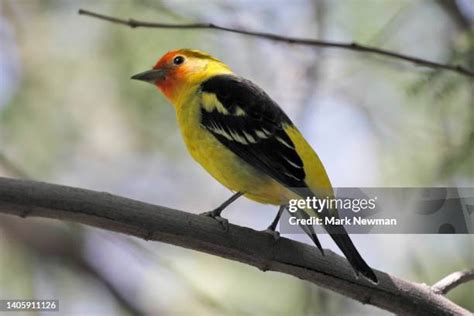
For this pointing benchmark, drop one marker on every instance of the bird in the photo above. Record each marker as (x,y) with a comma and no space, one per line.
(243,138)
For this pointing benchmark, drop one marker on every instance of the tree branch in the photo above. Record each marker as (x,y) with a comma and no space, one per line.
(151,222)
(290,40)
(453,280)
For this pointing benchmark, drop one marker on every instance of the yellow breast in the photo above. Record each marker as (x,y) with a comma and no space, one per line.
(220,162)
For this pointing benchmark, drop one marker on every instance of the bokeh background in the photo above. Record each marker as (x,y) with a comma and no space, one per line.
(70,115)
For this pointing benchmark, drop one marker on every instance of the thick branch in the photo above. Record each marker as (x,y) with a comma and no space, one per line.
(290,40)
(453,280)
(114,213)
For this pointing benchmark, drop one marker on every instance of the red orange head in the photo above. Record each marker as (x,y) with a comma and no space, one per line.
(180,69)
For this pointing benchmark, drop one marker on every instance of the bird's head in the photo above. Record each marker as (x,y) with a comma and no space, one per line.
(179,71)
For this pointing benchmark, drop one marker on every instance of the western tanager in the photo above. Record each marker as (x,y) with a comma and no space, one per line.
(245,140)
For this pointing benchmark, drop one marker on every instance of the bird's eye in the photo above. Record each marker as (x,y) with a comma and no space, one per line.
(178,60)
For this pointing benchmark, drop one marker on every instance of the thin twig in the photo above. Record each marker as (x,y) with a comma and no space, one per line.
(290,40)
(453,280)
(201,233)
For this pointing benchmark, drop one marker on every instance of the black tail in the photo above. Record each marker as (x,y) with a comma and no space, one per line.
(343,241)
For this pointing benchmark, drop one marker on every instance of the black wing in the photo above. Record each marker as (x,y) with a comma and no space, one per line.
(250,124)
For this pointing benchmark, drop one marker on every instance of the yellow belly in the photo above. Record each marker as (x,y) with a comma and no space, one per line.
(225,166)
(235,173)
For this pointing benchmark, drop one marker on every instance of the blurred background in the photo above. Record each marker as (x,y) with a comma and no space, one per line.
(70,115)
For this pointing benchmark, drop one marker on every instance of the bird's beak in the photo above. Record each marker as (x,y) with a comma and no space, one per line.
(150,76)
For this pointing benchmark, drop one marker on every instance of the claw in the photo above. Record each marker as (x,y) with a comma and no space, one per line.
(275,234)
(216,216)
(223,221)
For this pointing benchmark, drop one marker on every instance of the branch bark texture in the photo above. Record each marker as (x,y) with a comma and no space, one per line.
(453,280)
(152,222)
(289,40)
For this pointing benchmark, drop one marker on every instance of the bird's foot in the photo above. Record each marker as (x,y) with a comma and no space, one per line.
(275,234)
(216,215)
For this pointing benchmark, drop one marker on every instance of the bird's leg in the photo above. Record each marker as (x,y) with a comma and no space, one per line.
(272,228)
(216,213)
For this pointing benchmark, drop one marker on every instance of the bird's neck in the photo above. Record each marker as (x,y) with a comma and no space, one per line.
(180,92)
